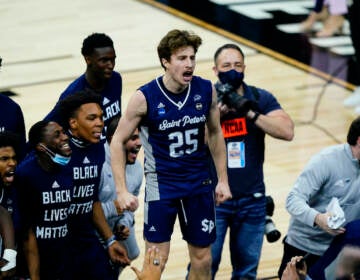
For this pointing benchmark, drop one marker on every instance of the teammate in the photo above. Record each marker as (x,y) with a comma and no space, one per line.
(9,148)
(90,261)
(99,54)
(123,224)
(172,112)
(44,183)
(12,119)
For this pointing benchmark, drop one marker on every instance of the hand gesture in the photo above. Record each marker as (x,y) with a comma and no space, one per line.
(222,193)
(322,221)
(128,201)
(121,232)
(118,254)
(291,271)
(152,265)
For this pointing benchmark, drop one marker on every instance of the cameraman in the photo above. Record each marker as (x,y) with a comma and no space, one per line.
(247,115)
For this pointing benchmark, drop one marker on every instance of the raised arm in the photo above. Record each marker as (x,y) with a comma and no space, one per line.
(276,123)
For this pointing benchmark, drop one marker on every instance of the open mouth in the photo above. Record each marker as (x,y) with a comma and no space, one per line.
(65,148)
(9,177)
(97,135)
(132,154)
(188,75)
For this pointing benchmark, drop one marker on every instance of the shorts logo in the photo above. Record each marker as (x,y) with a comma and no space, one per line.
(207,225)
(152,228)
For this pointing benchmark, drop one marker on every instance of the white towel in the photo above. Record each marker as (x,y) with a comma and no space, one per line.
(337,216)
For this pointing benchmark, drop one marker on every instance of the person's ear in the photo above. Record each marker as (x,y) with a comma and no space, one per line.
(164,62)
(215,70)
(73,123)
(40,147)
(87,59)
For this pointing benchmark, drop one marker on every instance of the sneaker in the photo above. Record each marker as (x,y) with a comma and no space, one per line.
(354,99)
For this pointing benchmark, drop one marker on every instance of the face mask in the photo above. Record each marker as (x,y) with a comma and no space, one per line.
(232,77)
(57,158)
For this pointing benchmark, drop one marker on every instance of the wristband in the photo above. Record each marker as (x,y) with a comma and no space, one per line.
(111,240)
(255,117)
(10,256)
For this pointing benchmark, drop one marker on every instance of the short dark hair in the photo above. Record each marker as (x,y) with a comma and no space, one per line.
(95,40)
(110,130)
(10,139)
(37,133)
(70,104)
(174,40)
(227,46)
(354,132)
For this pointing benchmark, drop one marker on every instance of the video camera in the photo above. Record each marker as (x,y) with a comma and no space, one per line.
(228,96)
(272,234)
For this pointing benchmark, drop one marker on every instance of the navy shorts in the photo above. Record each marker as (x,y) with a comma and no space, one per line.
(196,217)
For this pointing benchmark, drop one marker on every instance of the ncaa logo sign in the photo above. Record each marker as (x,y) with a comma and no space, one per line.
(207,225)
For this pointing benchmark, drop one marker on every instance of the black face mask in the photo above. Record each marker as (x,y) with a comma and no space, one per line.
(232,77)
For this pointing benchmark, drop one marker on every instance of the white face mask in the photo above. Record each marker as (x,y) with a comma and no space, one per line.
(57,158)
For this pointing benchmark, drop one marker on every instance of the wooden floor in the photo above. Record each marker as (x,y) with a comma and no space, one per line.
(40,47)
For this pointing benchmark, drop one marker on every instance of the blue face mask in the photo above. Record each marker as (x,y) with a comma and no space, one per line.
(57,158)
(61,159)
(232,77)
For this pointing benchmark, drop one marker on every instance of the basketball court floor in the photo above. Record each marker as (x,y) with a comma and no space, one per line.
(40,46)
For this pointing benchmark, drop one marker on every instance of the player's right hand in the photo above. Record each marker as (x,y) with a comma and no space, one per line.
(128,201)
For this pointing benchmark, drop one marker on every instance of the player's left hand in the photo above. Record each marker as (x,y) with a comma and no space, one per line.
(222,192)
(118,254)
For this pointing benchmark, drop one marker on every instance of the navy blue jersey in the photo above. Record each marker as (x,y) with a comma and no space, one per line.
(8,200)
(172,134)
(12,119)
(86,163)
(245,145)
(111,103)
(44,201)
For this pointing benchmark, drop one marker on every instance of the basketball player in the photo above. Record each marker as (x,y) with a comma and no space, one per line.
(90,261)
(172,112)
(44,183)
(99,54)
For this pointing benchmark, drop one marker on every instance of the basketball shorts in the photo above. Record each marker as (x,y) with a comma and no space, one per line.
(196,218)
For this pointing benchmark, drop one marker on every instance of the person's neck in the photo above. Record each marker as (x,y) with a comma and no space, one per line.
(47,164)
(240,90)
(77,140)
(94,82)
(171,85)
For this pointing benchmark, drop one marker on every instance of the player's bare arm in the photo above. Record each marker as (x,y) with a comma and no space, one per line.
(135,110)
(217,148)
